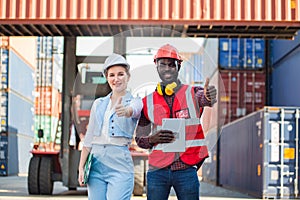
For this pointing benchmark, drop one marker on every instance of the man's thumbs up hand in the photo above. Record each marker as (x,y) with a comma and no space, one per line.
(210,92)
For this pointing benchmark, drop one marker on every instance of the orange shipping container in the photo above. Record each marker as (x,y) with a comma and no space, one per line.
(47,101)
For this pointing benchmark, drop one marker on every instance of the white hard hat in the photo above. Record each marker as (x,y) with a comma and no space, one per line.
(115,59)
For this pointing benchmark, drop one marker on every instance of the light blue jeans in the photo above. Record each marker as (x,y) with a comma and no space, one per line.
(112,173)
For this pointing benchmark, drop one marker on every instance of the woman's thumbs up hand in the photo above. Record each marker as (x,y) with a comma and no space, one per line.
(121,110)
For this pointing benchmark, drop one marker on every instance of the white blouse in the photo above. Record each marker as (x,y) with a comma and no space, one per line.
(104,138)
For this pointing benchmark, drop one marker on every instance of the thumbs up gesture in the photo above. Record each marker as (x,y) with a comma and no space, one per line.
(210,92)
(121,110)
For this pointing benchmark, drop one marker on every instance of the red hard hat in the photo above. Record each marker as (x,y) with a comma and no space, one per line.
(167,51)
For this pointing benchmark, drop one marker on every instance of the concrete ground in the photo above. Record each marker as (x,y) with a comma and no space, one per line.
(15,187)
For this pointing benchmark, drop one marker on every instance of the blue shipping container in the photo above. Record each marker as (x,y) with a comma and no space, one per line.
(3,153)
(285,74)
(17,111)
(21,114)
(241,53)
(229,54)
(262,159)
(20,72)
(282,48)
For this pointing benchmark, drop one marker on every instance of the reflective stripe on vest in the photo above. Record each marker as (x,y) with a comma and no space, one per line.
(150,102)
(190,101)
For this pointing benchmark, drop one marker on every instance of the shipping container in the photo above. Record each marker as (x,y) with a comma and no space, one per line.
(47,101)
(4,53)
(284,76)
(49,125)
(241,53)
(16,109)
(245,92)
(229,53)
(49,62)
(24,151)
(3,153)
(20,72)
(27,54)
(17,123)
(20,114)
(282,49)
(22,65)
(259,153)
(19,147)
(4,42)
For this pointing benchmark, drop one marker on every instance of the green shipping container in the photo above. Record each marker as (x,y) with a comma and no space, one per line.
(50,126)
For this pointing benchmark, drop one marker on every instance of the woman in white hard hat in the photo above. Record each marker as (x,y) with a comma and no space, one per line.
(111,126)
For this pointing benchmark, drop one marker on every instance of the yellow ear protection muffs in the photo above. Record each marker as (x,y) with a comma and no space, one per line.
(168,89)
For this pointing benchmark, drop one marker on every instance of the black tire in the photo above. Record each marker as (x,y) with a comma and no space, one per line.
(45,178)
(138,189)
(33,175)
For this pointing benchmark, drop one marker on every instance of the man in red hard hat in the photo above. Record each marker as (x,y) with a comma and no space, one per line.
(172,99)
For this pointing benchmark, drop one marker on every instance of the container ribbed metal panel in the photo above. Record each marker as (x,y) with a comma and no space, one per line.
(259,154)
(285,58)
(195,10)
(245,92)
(241,53)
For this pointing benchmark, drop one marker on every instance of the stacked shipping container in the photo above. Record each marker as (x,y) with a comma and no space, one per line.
(237,68)
(259,153)
(16,106)
(48,87)
(242,71)
(4,106)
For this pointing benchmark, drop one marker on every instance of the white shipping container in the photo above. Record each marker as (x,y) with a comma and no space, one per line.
(26,48)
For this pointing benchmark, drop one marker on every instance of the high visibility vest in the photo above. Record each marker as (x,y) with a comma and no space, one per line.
(184,106)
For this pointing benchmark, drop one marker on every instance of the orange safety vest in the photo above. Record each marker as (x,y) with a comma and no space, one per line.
(184,106)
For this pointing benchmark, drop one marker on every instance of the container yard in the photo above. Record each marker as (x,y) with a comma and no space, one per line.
(243,92)
(249,49)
